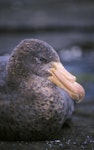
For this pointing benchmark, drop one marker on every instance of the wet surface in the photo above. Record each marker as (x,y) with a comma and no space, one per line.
(69,28)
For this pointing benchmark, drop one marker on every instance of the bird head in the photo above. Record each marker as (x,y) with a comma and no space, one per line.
(35,57)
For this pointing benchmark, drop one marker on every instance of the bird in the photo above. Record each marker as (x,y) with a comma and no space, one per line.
(37,94)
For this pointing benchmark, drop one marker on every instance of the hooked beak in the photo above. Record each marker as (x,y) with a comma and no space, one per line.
(65,80)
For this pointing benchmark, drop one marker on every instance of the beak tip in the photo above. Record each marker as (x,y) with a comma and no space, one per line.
(81,97)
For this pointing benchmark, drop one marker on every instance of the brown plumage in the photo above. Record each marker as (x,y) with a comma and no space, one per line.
(31,106)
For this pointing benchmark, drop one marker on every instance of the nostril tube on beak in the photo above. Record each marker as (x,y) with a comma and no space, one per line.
(65,80)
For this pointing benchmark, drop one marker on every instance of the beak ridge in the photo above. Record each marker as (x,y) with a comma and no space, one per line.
(65,80)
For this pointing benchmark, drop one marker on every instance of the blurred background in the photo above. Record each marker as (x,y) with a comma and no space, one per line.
(67,25)
(62,23)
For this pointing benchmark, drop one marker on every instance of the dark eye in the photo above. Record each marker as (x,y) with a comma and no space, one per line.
(43,60)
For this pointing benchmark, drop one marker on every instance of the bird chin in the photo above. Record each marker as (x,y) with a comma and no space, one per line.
(66,81)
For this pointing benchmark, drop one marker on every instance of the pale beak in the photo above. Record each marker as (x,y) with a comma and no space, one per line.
(65,80)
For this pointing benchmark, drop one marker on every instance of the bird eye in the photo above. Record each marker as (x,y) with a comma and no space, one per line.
(43,60)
